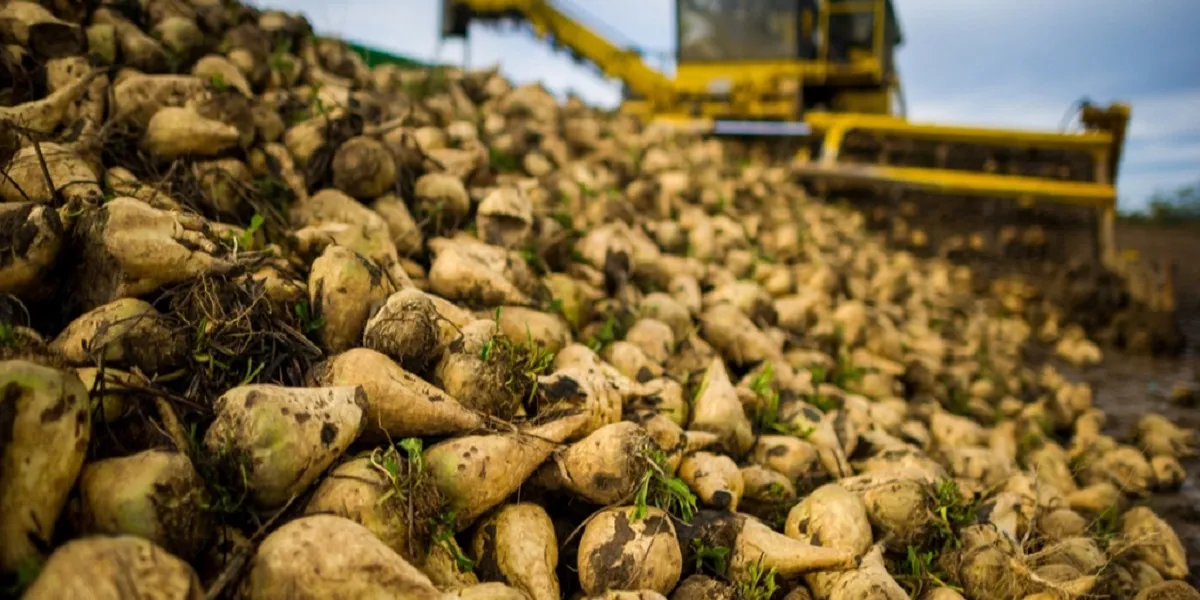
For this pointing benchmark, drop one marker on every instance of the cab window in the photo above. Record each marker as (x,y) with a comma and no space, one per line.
(716,30)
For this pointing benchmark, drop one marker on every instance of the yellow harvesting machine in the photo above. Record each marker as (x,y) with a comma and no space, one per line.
(823,73)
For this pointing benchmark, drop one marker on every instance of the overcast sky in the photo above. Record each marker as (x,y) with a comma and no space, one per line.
(1015,63)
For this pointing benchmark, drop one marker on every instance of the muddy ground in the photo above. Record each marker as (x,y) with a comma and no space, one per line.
(1127,387)
(1178,246)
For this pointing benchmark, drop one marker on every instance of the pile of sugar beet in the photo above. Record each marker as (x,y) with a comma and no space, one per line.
(277,325)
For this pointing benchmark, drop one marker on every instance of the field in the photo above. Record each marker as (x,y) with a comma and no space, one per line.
(1178,244)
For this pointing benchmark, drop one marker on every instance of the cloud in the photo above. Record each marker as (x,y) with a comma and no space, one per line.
(1179,153)
(1163,115)
(1098,47)
(1018,63)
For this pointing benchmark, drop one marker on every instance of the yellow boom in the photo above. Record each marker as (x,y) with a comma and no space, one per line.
(550,23)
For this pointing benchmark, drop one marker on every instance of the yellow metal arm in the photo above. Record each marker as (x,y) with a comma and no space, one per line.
(546,20)
(1099,142)
(1095,195)
(889,125)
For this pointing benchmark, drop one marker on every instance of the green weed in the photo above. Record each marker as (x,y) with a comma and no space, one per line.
(662,490)
(20,580)
(1106,527)
(225,474)
(443,535)
(767,417)
(503,162)
(309,322)
(256,223)
(616,325)
(525,361)
(918,572)
(710,559)
(8,336)
(760,585)
(953,512)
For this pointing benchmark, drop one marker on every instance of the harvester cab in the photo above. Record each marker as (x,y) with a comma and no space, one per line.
(757,68)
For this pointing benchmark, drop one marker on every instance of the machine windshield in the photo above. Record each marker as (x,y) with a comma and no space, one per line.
(711,30)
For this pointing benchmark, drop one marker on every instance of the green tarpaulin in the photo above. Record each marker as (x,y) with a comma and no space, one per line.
(375,56)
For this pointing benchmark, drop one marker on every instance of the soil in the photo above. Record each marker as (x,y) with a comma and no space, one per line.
(1169,247)
(1126,387)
